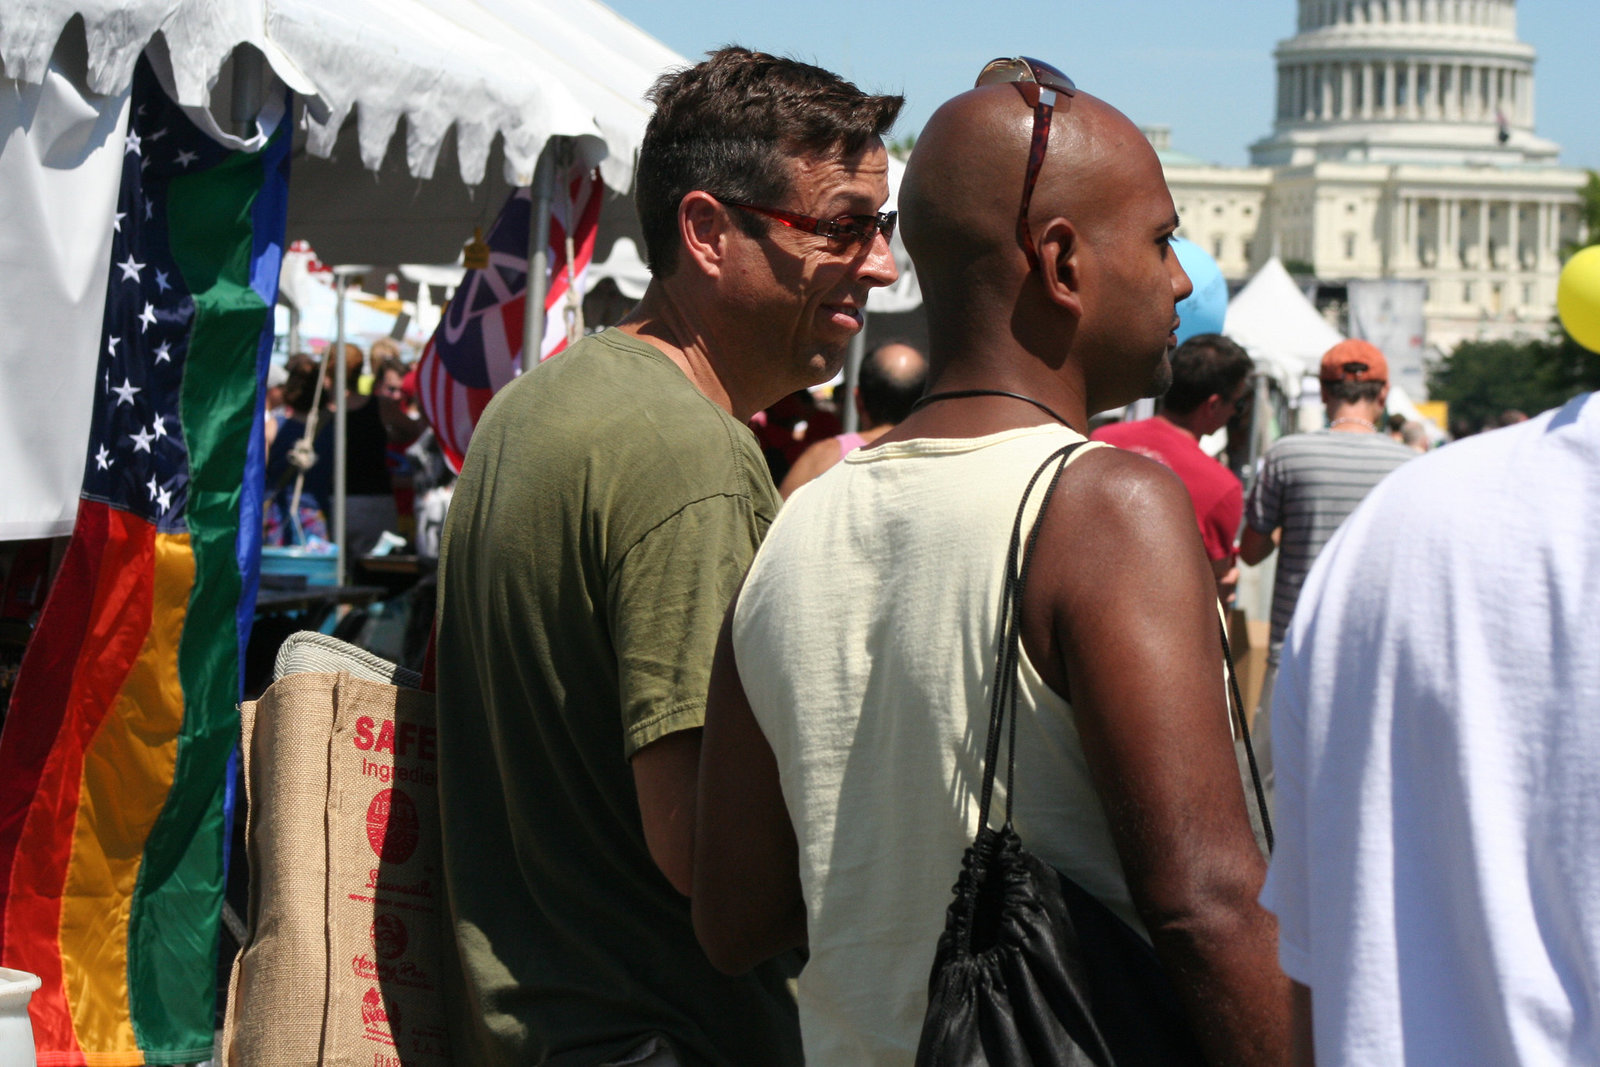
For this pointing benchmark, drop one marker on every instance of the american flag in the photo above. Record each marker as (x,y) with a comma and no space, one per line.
(138,460)
(477,347)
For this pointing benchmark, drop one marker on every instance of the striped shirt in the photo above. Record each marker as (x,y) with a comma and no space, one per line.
(1309,483)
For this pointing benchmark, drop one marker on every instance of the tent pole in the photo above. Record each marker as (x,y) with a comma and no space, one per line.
(852,376)
(544,188)
(342,282)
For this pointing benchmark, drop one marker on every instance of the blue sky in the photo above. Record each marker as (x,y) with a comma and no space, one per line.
(1205,70)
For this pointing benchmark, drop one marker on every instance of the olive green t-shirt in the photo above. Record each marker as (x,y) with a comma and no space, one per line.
(605,515)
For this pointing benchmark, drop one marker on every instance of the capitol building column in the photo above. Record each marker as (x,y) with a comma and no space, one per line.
(1413,236)
(1483,234)
(1513,237)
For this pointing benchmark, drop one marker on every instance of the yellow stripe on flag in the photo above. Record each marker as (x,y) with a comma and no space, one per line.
(127,773)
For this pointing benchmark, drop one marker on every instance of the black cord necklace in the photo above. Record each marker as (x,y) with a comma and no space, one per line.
(960,394)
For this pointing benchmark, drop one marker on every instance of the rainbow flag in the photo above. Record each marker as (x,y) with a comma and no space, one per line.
(114,760)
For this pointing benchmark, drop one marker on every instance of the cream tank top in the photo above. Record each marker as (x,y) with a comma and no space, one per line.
(865,637)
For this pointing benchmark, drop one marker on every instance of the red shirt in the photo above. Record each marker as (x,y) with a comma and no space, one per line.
(1216,494)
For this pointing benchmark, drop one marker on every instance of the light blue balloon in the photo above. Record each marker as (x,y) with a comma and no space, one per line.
(1203,310)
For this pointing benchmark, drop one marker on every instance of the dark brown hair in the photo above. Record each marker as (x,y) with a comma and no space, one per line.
(301,384)
(1204,366)
(1348,392)
(729,124)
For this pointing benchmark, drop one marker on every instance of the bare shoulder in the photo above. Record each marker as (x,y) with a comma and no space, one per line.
(1121,530)
(1122,493)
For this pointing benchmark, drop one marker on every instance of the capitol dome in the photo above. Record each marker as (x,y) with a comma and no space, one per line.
(1404,81)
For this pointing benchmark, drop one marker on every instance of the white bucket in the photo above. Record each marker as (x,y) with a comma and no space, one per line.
(16,1032)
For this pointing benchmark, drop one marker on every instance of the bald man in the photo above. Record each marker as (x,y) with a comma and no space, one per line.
(842,746)
(892,379)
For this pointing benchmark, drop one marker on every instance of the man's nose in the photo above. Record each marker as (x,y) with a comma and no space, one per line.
(878,266)
(1181,285)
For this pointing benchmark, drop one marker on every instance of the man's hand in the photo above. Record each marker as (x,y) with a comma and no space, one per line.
(1255,546)
(1120,614)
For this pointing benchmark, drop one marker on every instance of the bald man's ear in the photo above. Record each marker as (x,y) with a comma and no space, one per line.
(1061,264)
(703,228)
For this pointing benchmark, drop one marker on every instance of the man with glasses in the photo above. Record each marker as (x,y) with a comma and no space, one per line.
(842,755)
(1210,385)
(609,505)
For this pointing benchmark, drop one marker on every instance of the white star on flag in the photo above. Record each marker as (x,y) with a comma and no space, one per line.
(159,134)
(147,316)
(116,223)
(163,353)
(164,499)
(151,485)
(103,458)
(130,143)
(159,427)
(111,344)
(161,281)
(141,440)
(108,379)
(149,211)
(186,157)
(130,269)
(125,392)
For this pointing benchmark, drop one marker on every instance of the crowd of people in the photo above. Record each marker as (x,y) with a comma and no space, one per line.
(710,753)
(390,463)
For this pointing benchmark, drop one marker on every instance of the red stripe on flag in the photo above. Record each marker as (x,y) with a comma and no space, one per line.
(96,619)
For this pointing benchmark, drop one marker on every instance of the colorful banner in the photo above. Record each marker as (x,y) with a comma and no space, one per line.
(1389,313)
(114,759)
(477,348)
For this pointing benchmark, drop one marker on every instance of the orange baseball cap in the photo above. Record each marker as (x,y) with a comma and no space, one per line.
(1354,361)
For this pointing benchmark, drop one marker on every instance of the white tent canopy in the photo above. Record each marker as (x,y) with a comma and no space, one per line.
(522,71)
(1278,326)
(1287,336)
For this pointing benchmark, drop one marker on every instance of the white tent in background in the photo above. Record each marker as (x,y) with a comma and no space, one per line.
(625,267)
(1280,329)
(1287,336)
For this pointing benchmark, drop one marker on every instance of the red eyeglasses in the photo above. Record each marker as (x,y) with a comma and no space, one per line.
(853,229)
(1042,82)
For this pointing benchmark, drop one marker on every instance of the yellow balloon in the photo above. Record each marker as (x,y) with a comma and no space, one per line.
(1578,297)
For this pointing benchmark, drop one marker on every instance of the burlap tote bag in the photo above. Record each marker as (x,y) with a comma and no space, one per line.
(341,962)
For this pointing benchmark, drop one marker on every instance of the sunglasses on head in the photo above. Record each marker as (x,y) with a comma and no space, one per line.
(849,229)
(1038,82)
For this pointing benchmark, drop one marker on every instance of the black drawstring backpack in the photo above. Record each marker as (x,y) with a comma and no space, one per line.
(1030,968)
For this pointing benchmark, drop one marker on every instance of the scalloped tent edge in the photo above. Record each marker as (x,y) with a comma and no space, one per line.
(520,72)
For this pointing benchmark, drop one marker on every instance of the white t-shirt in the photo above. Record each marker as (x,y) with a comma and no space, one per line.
(1437,736)
(865,638)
